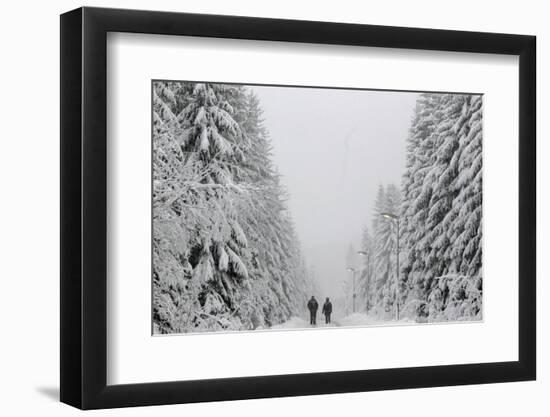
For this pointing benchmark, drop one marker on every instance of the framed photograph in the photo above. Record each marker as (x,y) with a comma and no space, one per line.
(257,208)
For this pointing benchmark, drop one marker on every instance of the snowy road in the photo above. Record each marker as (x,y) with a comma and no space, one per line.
(356,319)
(302,323)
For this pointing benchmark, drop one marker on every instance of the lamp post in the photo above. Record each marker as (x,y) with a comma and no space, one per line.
(366,255)
(395,218)
(352,270)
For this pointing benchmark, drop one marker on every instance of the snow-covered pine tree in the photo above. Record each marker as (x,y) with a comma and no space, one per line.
(416,193)
(392,205)
(193,189)
(388,200)
(233,261)
(365,287)
(463,283)
(466,213)
(278,269)
(171,234)
(441,181)
(382,230)
(441,207)
(352,278)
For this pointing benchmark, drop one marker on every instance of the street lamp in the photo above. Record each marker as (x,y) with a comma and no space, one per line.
(393,217)
(389,216)
(352,270)
(366,255)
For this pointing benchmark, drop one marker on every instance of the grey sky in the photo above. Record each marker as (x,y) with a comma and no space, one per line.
(333,148)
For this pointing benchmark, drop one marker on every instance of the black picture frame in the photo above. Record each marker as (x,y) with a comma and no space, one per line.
(84,207)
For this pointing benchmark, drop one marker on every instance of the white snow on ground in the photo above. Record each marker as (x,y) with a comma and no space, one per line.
(292,323)
(356,319)
(301,323)
(361,319)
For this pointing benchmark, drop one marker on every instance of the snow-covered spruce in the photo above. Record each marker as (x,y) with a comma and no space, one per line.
(440,218)
(225,254)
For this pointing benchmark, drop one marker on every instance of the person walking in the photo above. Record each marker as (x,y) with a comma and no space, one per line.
(312,305)
(327,310)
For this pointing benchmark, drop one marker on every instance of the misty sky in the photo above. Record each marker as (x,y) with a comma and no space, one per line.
(333,148)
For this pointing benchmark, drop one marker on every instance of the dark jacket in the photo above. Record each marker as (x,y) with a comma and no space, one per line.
(327,307)
(312,305)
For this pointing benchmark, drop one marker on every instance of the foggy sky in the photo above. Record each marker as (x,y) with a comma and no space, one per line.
(333,148)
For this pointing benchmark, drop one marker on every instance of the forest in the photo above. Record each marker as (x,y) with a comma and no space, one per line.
(438,211)
(226,254)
